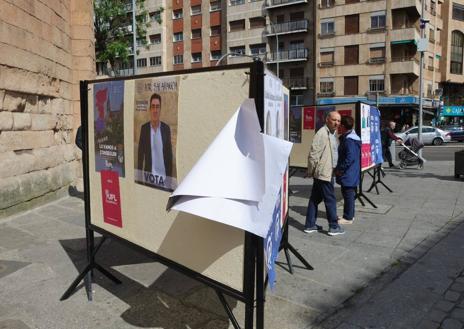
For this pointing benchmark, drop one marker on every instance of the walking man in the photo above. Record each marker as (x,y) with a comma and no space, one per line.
(387,137)
(322,160)
(348,168)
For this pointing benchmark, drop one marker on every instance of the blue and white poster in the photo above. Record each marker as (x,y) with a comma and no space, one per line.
(272,242)
(376,145)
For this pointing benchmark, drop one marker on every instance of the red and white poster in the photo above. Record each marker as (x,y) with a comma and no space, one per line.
(309,114)
(345,112)
(111,198)
(366,158)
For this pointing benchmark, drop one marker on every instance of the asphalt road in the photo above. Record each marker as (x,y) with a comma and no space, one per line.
(439,153)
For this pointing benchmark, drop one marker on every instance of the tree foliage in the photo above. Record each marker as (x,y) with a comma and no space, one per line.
(113,29)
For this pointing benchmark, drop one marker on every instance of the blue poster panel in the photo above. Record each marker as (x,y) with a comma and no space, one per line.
(376,145)
(108,98)
(272,242)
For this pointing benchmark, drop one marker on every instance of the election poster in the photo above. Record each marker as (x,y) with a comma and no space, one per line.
(155,132)
(321,114)
(309,117)
(376,142)
(108,99)
(295,124)
(366,154)
(111,198)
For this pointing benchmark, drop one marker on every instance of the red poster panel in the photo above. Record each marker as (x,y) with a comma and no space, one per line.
(111,198)
(345,112)
(366,158)
(309,114)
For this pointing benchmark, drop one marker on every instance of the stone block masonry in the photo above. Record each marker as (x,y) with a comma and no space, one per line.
(41,62)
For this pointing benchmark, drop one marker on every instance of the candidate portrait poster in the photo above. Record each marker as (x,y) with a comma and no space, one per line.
(108,99)
(321,115)
(376,143)
(155,132)
(366,154)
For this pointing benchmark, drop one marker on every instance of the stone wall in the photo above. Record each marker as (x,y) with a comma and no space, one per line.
(46,48)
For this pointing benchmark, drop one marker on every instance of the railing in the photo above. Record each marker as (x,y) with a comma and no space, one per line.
(326,35)
(296,83)
(273,3)
(405,59)
(287,27)
(326,64)
(376,29)
(376,60)
(288,55)
(326,94)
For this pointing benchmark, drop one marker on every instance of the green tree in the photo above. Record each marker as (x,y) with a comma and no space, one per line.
(113,29)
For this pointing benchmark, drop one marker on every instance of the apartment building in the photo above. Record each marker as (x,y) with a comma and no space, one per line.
(369,48)
(196,33)
(452,74)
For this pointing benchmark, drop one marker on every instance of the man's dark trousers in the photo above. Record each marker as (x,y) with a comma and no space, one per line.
(349,194)
(322,191)
(387,155)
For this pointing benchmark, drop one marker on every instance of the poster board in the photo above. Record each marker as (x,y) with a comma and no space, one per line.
(132,206)
(369,128)
(304,121)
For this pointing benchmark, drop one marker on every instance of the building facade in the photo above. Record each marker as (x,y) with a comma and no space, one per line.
(367,51)
(47,47)
(196,33)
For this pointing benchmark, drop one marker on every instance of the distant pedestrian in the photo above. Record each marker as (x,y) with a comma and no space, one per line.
(322,160)
(388,136)
(348,168)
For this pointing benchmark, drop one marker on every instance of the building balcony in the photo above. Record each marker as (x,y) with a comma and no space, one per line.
(396,4)
(287,28)
(326,94)
(300,83)
(270,4)
(376,60)
(404,35)
(326,35)
(404,65)
(325,64)
(294,55)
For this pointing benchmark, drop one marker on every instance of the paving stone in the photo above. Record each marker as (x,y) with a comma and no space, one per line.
(436,315)
(460,279)
(13,324)
(451,324)
(458,314)
(459,287)
(444,305)
(428,324)
(452,296)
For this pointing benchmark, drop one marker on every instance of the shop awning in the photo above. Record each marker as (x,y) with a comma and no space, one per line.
(403,42)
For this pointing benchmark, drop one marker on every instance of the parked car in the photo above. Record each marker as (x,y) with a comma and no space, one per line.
(456,132)
(430,135)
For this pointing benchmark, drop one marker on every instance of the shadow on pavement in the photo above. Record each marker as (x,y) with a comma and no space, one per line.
(162,304)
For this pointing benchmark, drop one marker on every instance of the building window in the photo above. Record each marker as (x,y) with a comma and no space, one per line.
(350,86)
(327,57)
(155,61)
(178,59)
(377,54)
(215,30)
(296,99)
(141,62)
(432,35)
(327,28)
(155,16)
(177,14)
(237,51)
(155,39)
(196,58)
(378,21)
(178,36)
(257,22)
(238,25)
(195,10)
(258,49)
(327,3)
(352,24)
(236,2)
(376,84)
(458,12)
(351,55)
(216,55)
(196,34)
(457,44)
(214,5)
(326,87)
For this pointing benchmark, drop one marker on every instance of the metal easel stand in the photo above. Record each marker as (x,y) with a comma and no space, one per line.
(87,272)
(287,247)
(360,194)
(377,179)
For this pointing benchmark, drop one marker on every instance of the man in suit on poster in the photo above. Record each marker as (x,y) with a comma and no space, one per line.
(155,149)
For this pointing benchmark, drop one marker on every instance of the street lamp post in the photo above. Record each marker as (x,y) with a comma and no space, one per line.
(422,49)
(134,38)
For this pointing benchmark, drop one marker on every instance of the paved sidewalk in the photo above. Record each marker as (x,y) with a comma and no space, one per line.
(398,268)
